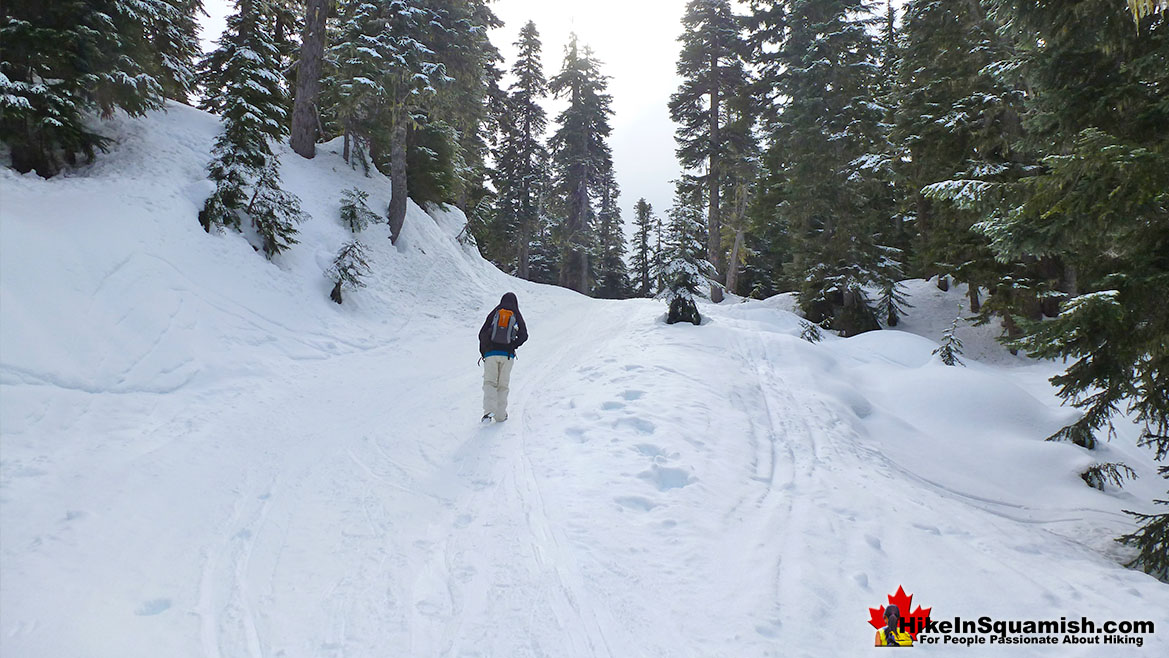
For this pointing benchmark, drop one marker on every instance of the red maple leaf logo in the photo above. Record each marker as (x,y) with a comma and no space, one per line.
(913,623)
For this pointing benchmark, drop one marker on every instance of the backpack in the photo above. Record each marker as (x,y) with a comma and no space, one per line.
(504,327)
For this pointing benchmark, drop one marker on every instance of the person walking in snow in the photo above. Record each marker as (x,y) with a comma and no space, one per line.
(503,331)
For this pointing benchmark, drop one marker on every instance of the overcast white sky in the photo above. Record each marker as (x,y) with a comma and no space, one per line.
(636,41)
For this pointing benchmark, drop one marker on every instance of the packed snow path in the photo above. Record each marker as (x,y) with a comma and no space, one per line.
(658,491)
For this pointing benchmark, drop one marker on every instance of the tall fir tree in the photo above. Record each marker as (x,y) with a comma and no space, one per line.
(61,61)
(1100,204)
(643,255)
(522,171)
(244,86)
(173,35)
(819,139)
(953,119)
(712,67)
(465,99)
(581,160)
(410,73)
(611,275)
(354,83)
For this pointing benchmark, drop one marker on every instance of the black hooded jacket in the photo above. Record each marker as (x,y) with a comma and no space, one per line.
(509,302)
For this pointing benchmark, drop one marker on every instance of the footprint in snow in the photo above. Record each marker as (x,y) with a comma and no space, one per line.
(640,424)
(153,607)
(635,503)
(666,478)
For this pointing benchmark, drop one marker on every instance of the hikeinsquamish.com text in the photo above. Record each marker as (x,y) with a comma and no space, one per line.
(986,630)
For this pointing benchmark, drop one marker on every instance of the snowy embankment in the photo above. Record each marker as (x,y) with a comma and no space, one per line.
(203,456)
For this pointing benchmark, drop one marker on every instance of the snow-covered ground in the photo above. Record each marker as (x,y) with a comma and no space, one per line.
(201,455)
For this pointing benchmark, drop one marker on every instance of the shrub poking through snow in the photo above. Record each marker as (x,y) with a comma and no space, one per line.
(348,269)
(951,347)
(354,212)
(891,303)
(811,332)
(1113,472)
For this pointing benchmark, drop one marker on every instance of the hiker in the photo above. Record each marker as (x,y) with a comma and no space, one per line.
(892,635)
(503,331)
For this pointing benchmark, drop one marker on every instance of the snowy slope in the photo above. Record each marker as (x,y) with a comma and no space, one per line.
(201,455)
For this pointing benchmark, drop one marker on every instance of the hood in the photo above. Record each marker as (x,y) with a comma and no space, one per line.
(509,302)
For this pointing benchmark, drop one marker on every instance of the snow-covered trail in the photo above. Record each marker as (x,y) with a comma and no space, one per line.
(658,491)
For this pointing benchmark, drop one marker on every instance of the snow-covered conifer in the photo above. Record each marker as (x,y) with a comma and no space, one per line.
(349,269)
(712,67)
(810,332)
(61,61)
(824,80)
(243,84)
(642,250)
(355,214)
(611,274)
(685,272)
(521,175)
(951,347)
(581,158)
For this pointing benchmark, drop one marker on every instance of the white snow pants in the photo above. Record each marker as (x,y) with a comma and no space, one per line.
(496,376)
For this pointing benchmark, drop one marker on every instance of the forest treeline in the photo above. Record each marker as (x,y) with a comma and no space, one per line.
(832,148)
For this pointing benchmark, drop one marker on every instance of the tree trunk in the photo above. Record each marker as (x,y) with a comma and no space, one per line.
(397,214)
(713,227)
(972,293)
(733,262)
(303,137)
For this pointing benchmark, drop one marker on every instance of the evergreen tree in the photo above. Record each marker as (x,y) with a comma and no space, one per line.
(1099,204)
(643,257)
(348,270)
(354,83)
(685,272)
(522,170)
(951,347)
(711,65)
(581,160)
(953,119)
(826,126)
(612,276)
(173,35)
(387,71)
(740,184)
(355,214)
(410,73)
(62,60)
(464,103)
(243,84)
(544,255)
